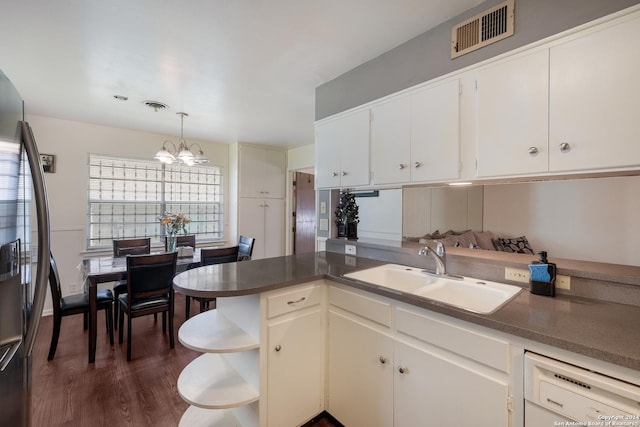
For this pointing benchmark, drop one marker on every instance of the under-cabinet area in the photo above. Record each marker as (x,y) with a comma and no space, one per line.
(279,358)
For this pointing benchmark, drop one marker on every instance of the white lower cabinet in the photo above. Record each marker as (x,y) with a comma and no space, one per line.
(294,370)
(392,365)
(295,360)
(360,388)
(431,390)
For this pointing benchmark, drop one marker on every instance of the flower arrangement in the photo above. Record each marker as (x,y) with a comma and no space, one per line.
(174,222)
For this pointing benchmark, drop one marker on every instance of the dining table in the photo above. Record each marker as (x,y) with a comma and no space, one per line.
(104,269)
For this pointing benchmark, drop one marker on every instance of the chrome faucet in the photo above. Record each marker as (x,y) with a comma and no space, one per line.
(439,255)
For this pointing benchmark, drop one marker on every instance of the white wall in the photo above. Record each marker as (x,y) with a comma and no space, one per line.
(589,219)
(71,142)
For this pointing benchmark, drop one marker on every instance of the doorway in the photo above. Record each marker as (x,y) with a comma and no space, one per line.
(304,213)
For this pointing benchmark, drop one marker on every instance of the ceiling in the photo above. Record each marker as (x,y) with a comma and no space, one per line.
(244,70)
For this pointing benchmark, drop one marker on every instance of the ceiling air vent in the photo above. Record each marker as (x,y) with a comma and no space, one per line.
(483,29)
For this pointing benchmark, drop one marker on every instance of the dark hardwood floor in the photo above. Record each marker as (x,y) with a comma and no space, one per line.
(68,391)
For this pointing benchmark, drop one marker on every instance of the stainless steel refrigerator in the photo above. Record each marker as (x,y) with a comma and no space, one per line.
(24,269)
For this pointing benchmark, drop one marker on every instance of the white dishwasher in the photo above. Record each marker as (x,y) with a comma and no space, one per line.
(560,394)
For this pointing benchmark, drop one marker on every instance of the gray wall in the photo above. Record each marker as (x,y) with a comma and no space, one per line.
(427,56)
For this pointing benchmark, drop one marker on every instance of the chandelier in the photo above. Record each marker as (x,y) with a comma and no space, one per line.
(169,153)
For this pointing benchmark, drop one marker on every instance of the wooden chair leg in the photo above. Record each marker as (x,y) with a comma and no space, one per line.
(164,322)
(128,338)
(202,306)
(116,311)
(109,321)
(187,307)
(54,337)
(121,321)
(85,321)
(171,340)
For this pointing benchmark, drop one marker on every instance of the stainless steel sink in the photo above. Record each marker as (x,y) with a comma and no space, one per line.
(478,296)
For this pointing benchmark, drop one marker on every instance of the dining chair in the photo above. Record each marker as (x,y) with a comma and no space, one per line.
(149,291)
(122,248)
(210,256)
(182,241)
(246,248)
(74,304)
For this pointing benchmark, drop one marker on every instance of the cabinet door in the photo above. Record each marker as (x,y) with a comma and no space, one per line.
(273,180)
(360,374)
(513,116)
(274,212)
(390,142)
(435,133)
(342,151)
(595,100)
(295,368)
(433,391)
(262,172)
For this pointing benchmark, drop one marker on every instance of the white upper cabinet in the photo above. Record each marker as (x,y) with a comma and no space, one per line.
(435,132)
(391,141)
(512,108)
(342,151)
(415,137)
(595,100)
(262,172)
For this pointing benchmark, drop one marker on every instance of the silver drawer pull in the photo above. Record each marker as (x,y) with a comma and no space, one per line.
(533,150)
(403,370)
(296,301)
(278,347)
(383,360)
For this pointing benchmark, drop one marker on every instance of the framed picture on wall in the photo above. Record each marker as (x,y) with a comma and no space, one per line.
(48,162)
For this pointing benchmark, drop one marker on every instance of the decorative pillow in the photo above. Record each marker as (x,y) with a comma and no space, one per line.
(485,240)
(518,245)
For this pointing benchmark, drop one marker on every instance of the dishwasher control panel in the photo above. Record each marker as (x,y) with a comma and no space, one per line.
(579,394)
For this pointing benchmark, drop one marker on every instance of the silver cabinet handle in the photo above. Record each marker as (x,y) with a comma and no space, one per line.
(382,360)
(403,370)
(296,301)
(565,147)
(417,164)
(278,347)
(344,173)
(402,166)
(334,174)
(533,150)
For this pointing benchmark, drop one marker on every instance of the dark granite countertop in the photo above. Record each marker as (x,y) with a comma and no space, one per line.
(602,330)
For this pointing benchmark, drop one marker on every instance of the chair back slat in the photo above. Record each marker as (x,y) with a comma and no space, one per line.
(131,247)
(150,275)
(246,247)
(212,256)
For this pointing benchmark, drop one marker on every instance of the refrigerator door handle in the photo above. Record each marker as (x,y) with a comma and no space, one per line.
(44,250)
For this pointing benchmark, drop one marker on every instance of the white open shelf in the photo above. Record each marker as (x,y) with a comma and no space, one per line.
(210,382)
(212,332)
(199,417)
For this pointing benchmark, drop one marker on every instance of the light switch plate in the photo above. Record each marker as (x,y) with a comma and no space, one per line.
(350,249)
(324,224)
(323,207)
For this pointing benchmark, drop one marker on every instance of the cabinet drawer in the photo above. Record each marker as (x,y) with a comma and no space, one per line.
(369,308)
(487,350)
(292,300)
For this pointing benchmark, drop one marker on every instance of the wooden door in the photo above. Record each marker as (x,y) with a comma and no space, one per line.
(305,214)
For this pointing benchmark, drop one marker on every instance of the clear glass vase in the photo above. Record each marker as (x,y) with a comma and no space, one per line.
(171,243)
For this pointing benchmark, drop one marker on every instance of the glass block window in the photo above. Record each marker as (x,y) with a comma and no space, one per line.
(126,196)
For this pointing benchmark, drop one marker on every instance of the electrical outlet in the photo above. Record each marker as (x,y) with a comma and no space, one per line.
(350,249)
(516,275)
(349,260)
(563,282)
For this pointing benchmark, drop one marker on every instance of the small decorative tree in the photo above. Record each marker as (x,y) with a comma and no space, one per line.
(347,215)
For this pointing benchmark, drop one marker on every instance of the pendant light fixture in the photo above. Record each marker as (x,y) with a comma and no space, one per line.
(169,153)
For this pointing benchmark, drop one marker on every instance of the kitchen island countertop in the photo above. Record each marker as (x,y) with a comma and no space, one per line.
(601,330)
